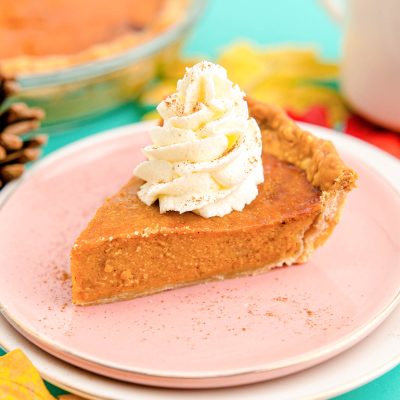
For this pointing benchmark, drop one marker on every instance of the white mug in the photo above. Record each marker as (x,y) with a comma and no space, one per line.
(370,66)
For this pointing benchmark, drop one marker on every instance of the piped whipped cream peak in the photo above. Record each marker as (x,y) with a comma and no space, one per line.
(206,157)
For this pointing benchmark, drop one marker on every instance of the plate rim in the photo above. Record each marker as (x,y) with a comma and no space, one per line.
(336,347)
(344,388)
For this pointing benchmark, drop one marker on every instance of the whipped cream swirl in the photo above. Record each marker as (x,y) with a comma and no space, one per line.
(206,157)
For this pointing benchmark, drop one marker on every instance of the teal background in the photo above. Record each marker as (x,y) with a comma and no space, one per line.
(265,22)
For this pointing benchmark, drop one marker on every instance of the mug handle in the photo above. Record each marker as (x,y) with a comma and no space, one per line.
(335,9)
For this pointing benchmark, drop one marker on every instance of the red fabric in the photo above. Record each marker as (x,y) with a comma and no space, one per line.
(355,126)
(317,115)
(362,129)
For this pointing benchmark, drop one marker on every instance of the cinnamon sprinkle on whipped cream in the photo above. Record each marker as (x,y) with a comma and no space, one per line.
(206,158)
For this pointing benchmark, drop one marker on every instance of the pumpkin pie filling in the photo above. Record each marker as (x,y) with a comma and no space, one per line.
(151,251)
(45,28)
(38,36)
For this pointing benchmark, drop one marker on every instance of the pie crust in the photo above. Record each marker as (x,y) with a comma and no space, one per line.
(130,249)
(318,158)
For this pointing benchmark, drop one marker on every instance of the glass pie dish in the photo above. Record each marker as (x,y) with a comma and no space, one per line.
(94,87)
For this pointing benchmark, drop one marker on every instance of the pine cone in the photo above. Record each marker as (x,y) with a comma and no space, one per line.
(17,145)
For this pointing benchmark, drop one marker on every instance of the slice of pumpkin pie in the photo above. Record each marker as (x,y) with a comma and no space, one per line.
(231,187)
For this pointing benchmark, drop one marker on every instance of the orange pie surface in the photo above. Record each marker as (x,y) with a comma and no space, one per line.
(48,35)
(129,249)
(48,27)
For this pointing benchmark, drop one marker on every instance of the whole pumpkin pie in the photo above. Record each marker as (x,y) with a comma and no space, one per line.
(135,245)
(49,35)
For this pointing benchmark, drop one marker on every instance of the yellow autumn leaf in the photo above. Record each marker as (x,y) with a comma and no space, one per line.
(248,65)
(156,93)
(151,116)
(299,97)
(244,63)
(293,78)
(20,380)
(176,69)
(298,63)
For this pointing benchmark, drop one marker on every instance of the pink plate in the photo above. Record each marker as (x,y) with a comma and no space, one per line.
(218,334)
